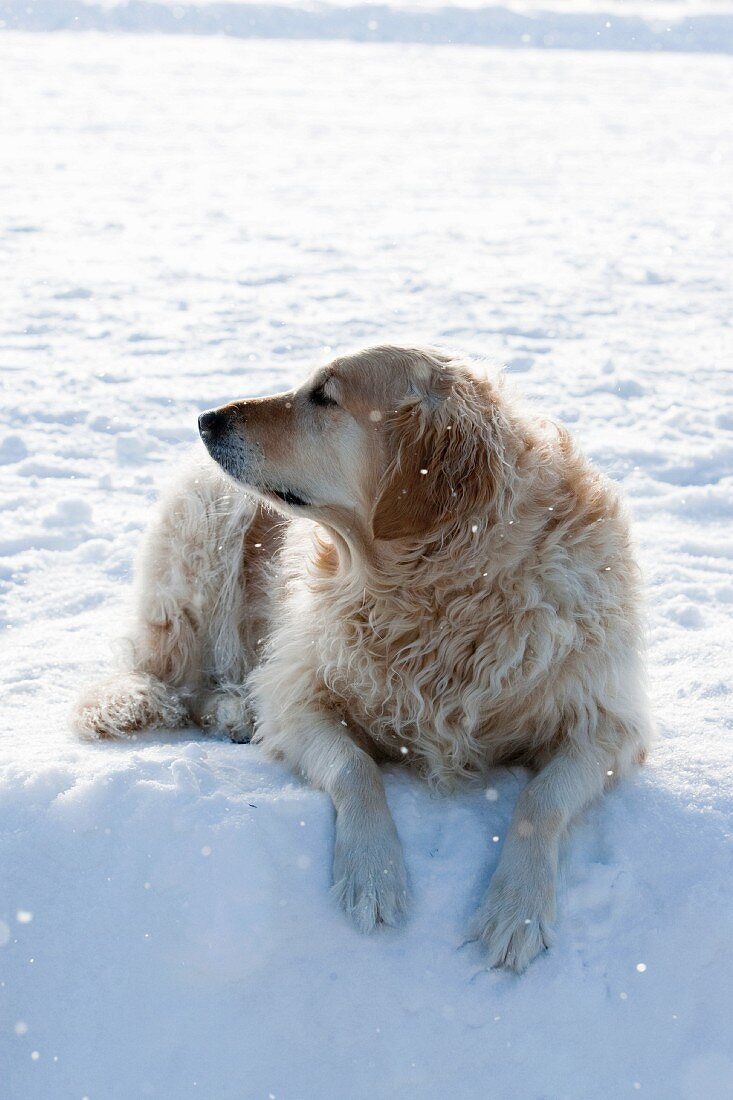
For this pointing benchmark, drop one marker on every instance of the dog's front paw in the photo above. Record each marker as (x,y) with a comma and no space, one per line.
(370,881)
(514,921)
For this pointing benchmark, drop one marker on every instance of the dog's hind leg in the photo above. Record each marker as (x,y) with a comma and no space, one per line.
(196,537)
(160,657)
(151,687)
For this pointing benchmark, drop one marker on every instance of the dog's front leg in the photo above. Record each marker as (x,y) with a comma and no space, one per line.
(516,916)
(370,881)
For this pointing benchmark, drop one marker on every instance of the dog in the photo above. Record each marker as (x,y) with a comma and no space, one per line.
(395,562)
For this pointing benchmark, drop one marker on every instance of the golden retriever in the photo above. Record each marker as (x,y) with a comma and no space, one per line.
(417,571)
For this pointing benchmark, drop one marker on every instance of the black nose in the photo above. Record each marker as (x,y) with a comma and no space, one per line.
(212,422)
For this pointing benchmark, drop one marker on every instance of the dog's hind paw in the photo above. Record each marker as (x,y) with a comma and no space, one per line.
(225,710)
(120,707)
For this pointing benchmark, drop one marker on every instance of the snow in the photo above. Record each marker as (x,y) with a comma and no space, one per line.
(187,220)
(660,25)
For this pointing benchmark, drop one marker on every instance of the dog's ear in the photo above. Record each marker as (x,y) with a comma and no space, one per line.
(446,457)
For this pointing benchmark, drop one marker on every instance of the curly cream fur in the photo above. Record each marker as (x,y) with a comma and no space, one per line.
(468,597)
(200,612)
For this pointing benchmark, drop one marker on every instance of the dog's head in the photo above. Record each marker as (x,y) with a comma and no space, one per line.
(391,443)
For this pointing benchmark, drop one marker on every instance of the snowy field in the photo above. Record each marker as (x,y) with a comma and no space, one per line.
(187,220)
(690,26)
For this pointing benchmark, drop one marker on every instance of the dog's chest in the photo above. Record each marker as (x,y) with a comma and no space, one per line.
(418,683)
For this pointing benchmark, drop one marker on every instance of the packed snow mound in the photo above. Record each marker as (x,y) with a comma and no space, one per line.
(187,221)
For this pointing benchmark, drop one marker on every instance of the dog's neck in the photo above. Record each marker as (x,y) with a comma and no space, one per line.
(467,553)
(416,572)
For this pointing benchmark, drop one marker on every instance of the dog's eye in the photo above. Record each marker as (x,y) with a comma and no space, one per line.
(318,397)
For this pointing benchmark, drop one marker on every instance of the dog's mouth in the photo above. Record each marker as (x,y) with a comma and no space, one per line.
(287,496)
(235,460)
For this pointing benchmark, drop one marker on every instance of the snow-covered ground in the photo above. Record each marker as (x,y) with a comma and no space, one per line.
(184,221)
(692,26)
